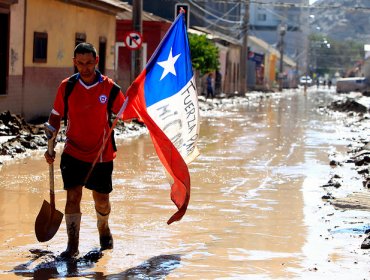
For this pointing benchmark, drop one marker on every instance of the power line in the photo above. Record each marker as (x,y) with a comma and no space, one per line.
(225,26)
(227,13)
(305,6)
(214,15)
(226,29)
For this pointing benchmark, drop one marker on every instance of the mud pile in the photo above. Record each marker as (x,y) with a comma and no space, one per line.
(358,154)
(358,119)
(348,105)
(17,135)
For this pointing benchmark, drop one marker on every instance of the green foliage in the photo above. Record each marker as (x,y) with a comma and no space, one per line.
(339,56)
(204,53)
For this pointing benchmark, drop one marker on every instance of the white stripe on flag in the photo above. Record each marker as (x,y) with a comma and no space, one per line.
(178,117)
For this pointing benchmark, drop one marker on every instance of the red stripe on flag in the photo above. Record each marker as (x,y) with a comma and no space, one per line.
(166,151)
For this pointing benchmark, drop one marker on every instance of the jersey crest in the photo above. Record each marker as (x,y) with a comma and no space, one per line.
(103,99)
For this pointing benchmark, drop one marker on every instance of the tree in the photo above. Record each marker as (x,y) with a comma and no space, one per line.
(329,56)
(204,54)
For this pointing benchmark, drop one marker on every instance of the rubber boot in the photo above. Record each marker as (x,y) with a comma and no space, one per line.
(73,222)
(105,236)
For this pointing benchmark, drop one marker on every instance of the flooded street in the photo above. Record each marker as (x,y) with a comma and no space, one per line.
(255,210)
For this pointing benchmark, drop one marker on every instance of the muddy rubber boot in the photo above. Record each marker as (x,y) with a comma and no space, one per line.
(105,236)
(73,222)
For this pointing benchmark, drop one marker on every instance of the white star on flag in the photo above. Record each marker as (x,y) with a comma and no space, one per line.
(169,64)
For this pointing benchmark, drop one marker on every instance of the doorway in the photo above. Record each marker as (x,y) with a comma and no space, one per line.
(102,54)
(4,33)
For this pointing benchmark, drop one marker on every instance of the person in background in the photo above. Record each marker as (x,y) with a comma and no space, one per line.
(210,86)
(329,83)
(87,130)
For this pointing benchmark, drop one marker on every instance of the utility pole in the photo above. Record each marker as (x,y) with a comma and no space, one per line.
(282,30)
(244,49)
(137,25)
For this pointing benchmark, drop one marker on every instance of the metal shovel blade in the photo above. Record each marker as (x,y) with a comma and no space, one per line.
(49,219)
(47,222)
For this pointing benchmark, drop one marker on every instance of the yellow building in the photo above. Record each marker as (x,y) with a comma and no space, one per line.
(37,39)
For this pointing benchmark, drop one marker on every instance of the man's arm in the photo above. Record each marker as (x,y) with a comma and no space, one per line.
(51,129)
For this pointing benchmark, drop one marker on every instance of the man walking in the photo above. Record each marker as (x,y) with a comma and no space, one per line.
(86,107)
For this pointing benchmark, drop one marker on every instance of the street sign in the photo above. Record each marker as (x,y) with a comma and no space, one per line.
(133,40)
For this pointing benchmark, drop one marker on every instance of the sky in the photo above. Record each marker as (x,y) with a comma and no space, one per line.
(312,1)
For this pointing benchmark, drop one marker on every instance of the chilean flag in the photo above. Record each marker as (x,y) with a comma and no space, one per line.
(164,98)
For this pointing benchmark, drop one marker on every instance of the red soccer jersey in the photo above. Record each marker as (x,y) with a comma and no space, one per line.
(88,124)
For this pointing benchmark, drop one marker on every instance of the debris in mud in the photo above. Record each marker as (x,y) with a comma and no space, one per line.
(348,105)
(356,200)
(327,196)
(366,243)
(19,135)
(334,162)
(333,182)
(359,151)
(358,154)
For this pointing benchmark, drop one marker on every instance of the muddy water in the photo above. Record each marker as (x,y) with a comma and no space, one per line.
(255,211)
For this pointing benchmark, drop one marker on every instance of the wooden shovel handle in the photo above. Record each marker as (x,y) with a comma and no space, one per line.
(51,173)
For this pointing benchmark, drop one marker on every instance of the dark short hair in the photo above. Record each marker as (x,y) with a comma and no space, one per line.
(83,48)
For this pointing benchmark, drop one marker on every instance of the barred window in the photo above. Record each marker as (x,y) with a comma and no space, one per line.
(40,47)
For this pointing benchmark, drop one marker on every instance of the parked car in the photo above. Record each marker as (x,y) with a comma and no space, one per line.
(345,85)
(305,80)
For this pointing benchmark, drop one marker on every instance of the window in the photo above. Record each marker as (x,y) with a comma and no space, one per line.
(40,47)
(80,38)
(261,17)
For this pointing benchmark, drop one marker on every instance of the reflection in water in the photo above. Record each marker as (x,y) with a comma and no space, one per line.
(50,267)
(252,212)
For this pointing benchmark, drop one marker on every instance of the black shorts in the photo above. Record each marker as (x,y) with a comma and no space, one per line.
(74,173)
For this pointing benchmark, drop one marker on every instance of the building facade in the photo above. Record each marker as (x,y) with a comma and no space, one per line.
(268,19)
(226,19)
(37,40)
(153,30)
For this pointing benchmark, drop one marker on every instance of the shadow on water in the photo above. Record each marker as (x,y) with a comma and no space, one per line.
(51,267)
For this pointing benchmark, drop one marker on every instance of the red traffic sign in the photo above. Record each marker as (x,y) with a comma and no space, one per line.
(133,40)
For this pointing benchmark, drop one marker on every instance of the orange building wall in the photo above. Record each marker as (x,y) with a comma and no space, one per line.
(32,86)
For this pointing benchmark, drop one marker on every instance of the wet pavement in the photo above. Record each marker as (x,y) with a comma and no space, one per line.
(256,208)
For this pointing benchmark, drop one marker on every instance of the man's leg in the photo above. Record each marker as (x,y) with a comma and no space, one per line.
(73,220)
(102,207)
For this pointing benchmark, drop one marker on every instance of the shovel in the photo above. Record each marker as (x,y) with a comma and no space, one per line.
(49,219)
